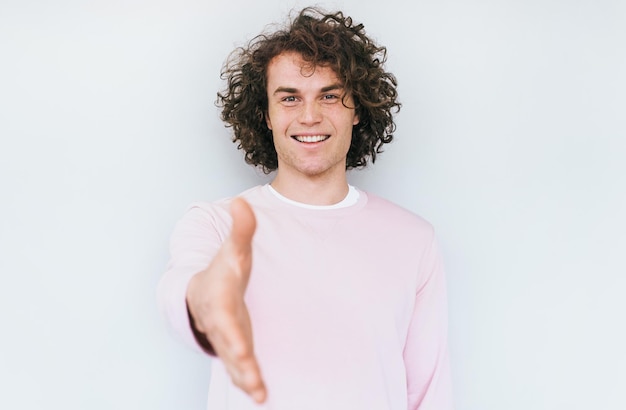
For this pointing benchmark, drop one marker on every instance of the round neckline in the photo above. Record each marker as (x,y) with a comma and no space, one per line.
(351,198)
(322,212)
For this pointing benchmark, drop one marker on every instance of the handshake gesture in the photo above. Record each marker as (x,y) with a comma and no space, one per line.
(215,299)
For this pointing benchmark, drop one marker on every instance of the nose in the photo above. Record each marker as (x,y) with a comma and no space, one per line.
(310,113)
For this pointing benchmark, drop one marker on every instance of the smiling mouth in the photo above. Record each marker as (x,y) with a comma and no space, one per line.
(310,138)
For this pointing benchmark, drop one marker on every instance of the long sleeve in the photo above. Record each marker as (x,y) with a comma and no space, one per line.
(195,240)
(426,351)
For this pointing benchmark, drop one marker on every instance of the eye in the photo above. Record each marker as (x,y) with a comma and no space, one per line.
(330,97)
(289,98)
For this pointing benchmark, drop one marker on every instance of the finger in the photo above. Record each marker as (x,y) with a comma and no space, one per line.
(247,376)
(243,368)
(237,355)
(244,223)
(253,383)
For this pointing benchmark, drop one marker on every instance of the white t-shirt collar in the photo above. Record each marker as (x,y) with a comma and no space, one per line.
(351,198)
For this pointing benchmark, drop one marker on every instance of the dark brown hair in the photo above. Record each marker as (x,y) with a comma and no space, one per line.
(331,40)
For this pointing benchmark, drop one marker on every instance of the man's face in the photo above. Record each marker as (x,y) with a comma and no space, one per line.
(312,128)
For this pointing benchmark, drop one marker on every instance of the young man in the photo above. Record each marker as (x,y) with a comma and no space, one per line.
(312,293)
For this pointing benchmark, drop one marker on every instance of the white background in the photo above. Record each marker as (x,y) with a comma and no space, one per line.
(511,142)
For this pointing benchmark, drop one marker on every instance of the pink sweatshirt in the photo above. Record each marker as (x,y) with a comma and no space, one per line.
(348,306)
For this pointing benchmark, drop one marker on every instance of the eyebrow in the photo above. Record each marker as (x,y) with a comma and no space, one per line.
(291,90)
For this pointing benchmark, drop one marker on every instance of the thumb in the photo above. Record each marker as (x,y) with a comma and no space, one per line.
(244,223)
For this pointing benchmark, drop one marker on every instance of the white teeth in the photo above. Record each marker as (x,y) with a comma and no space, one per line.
(310,138)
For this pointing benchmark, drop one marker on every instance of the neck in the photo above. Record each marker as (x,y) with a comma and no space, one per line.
(312,191)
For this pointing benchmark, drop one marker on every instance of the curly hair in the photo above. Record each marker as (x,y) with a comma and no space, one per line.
(330,40)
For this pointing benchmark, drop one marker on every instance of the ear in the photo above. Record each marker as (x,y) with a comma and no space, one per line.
(356,120)
(267,120)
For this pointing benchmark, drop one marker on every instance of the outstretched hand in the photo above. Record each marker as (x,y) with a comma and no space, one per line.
(215,298)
